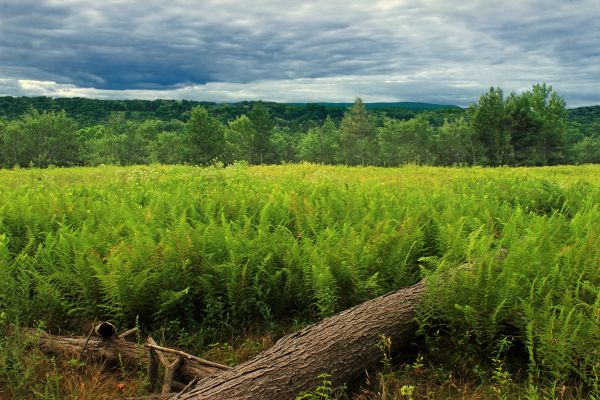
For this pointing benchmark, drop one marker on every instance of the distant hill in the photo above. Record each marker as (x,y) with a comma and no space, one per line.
(405,105)
(586,120)
(584,114)
(294,115)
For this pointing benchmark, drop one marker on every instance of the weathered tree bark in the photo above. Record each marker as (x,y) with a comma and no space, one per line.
(117,350)
(343,346)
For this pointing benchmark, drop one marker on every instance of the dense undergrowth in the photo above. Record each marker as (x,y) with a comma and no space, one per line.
(512,256)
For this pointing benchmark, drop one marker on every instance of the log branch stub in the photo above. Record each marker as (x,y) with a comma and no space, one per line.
(152,368)
(87,340)
(169,375)
(151,344)
(129,332)
(105,330)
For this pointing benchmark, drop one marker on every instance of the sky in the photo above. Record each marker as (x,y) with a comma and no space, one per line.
(436,51)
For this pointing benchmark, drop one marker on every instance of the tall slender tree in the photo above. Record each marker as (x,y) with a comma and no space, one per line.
(239,137)
(491,127)
(263,128)
(3,160)
(537,122)
(549,108)
(206,137)
(358,135)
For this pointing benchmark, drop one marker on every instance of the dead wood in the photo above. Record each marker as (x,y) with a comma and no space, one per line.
(342,346)
(129,332)
(169,375)
(121,352)
(187,356)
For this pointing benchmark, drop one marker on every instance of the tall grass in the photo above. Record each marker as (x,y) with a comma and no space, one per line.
(512,255)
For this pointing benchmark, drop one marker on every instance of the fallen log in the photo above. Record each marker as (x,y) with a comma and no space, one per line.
(343,346)
(117,350)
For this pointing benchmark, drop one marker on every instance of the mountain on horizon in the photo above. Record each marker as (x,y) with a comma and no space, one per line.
(405,105)
(90,111)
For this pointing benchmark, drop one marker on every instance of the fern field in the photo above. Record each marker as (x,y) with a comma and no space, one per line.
(512,256)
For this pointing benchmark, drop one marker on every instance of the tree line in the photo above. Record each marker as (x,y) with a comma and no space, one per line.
(295,116)
(528,129)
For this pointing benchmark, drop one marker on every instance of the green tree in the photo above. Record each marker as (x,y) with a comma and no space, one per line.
(263,128)
(320,145)
(18,147)
(454,144)
(135,141)
(402,142)
(491,127)
(56,138)
(2,129)
(283,145)
(588,150)
(239,140)
(206,137)
(95,148)
(390,141)
(41,139)
(119,141)
(537,121)
(115,142)
(524,128)
(574,133)
(168,148)
(358,135)
(549,108)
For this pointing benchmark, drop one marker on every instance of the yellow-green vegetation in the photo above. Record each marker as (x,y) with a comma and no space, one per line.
(512,257)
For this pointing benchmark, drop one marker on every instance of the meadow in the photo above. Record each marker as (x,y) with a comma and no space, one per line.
(511,256)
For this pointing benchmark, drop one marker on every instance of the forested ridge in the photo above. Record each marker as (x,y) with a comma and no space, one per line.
(531,128)
(304,115)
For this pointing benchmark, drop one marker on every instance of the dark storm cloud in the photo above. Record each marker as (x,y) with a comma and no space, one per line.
(227,50)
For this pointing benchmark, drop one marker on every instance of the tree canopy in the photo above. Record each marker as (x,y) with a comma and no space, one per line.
(529,128)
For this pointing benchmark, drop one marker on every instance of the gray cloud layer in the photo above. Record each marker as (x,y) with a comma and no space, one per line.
(224,50)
